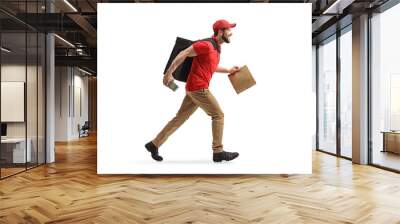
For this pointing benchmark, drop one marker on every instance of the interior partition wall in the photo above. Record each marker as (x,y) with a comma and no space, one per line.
(334,110)
(22,89)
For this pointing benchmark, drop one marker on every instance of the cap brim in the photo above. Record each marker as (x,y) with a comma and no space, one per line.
(232,25)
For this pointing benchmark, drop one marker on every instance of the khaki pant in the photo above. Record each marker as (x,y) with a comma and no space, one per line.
(205,100)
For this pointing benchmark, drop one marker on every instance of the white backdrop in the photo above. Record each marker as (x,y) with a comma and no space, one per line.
(270,124)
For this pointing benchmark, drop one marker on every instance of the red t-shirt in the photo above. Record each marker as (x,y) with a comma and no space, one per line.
(203,66)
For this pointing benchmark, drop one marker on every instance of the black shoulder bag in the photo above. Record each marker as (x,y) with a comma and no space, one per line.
(182,71)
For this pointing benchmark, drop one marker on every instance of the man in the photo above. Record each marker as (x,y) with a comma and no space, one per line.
(205,63)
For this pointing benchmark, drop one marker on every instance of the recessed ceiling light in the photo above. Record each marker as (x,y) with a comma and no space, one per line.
(84,71)
(5,49)
(64,40)
(70,5)
(338,6)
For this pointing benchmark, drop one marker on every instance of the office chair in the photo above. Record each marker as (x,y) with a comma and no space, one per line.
(84,130)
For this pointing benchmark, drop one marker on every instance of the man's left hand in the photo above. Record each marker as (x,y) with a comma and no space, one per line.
(234,69)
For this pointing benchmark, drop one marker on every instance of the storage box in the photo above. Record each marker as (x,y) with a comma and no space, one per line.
(242,79)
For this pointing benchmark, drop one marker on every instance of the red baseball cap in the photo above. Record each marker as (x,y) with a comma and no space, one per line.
(222,24)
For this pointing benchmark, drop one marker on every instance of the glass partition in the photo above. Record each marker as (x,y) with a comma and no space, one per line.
(22,101)
(14,153)
(327,95)
(385,89)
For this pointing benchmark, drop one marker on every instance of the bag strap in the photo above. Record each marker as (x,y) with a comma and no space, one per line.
(213,42)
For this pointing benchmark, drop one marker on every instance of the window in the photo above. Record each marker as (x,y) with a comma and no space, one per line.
(385,89)
(346,92)
(327,95)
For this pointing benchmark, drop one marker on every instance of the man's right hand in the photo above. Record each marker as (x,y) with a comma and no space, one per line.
(167,78)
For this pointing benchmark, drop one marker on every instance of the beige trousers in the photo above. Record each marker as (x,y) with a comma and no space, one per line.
(205,100)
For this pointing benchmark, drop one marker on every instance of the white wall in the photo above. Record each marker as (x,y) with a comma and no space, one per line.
(12,73)
(16,72)
(61,103)
(70,83)
(33,127)
(80,84)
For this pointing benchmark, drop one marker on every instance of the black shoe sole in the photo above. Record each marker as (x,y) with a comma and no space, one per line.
(220,160)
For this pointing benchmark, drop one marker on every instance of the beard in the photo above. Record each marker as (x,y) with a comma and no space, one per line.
(226,39)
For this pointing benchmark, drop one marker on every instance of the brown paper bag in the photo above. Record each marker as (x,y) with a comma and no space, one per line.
(242,79)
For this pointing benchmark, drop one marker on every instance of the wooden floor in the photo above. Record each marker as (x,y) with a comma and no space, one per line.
(8,171)
(387,159)
(5,172)
(70,191)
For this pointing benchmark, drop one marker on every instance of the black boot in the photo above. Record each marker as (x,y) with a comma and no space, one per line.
(218,157)
(154,151)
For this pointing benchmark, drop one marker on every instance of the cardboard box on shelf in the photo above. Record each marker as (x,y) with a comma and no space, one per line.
(242,79)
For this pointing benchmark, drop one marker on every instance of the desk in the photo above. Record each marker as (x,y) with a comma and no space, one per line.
(391,141)
(13,150)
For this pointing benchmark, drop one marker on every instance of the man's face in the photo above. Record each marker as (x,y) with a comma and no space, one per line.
(226,35)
